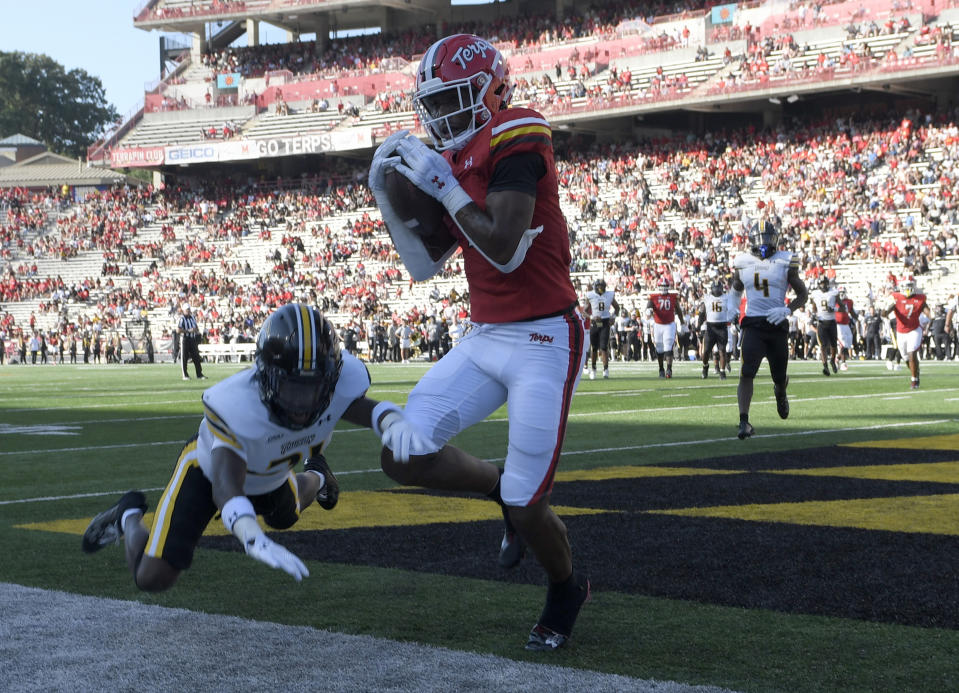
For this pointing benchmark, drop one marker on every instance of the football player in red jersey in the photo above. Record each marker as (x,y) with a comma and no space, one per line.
(665,307)
(846,317)
(908,305)
(497,180)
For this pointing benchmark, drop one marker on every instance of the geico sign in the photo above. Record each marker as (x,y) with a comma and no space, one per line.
(182,154)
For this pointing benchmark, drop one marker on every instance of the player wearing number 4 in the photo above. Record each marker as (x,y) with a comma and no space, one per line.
(258,425)
(908,306)
(766,274)
(496,179)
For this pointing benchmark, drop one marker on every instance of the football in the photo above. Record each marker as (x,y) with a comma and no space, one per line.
(412,204)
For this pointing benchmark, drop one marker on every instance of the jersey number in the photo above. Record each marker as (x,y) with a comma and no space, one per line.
(664,302)
(717,307)
(291,461)
(761,286)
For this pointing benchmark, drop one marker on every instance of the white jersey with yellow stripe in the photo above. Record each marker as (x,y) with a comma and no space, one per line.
(601,304)
(235,418)
(765,281)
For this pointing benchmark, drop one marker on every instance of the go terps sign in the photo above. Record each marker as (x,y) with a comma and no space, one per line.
(316,143)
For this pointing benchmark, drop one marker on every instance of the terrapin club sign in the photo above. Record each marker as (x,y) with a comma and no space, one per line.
(133,157)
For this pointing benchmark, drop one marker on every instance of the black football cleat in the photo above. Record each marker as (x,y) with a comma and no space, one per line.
(105,529)
(832,364)
(555,626)
(543,639)
(329,492)
(745,430)
(782,401)
(825,370)
(705,372)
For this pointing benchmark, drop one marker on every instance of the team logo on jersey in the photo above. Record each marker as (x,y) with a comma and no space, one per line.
(289,445)
(540,338)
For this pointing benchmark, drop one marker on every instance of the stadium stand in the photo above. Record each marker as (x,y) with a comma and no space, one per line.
(866,200)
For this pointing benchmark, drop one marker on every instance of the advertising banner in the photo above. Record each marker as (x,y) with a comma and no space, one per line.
(136,156)
(200,152)
(315,144)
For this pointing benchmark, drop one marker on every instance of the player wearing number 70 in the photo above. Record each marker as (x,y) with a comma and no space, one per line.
(258,425)
(766,274)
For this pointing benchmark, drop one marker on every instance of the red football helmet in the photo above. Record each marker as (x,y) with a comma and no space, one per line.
(461,82)
(664,285)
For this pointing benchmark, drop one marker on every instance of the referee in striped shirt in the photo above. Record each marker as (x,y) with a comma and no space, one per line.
(189,334)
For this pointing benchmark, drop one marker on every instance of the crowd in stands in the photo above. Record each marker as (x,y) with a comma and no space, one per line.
(876,189)
(520,34)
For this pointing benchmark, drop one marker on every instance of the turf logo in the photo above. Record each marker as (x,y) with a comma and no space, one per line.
(40,430)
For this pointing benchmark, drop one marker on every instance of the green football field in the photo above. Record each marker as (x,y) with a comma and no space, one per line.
(820,555)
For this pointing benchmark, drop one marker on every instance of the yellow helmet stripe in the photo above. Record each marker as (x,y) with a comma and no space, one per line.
(307,338)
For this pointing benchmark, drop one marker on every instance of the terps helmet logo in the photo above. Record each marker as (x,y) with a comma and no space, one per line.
(465,54)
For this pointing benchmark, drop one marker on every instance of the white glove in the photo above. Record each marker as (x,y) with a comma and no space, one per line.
(398,434)
(265,550)
(383,159)
(431,173)
(777,315)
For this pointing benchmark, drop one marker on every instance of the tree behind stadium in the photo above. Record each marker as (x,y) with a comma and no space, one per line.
(67,111)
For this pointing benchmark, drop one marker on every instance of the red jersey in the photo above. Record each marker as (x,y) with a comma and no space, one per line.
(541,284)
(664,308)
(843,309)
(907,311)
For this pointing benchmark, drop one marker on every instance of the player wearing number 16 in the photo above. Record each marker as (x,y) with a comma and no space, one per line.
(765,273)
(257,426)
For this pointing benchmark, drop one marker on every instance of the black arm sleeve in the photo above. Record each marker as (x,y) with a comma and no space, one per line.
(520,172)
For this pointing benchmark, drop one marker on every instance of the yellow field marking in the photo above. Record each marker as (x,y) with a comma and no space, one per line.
(938,514)
(360,509)
(944,442)
(936,472)
(604,473)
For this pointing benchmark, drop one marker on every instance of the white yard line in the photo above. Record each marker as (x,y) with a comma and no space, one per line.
(591,451)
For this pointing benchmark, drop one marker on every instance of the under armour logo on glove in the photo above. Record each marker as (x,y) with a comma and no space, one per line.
(437,182)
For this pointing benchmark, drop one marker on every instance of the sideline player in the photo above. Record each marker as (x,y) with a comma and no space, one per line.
(601,306)
(665,308)
(715,314)
(765,273)
(845,315)
(497,180)
(823,304)
(258,424)
(908,306)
